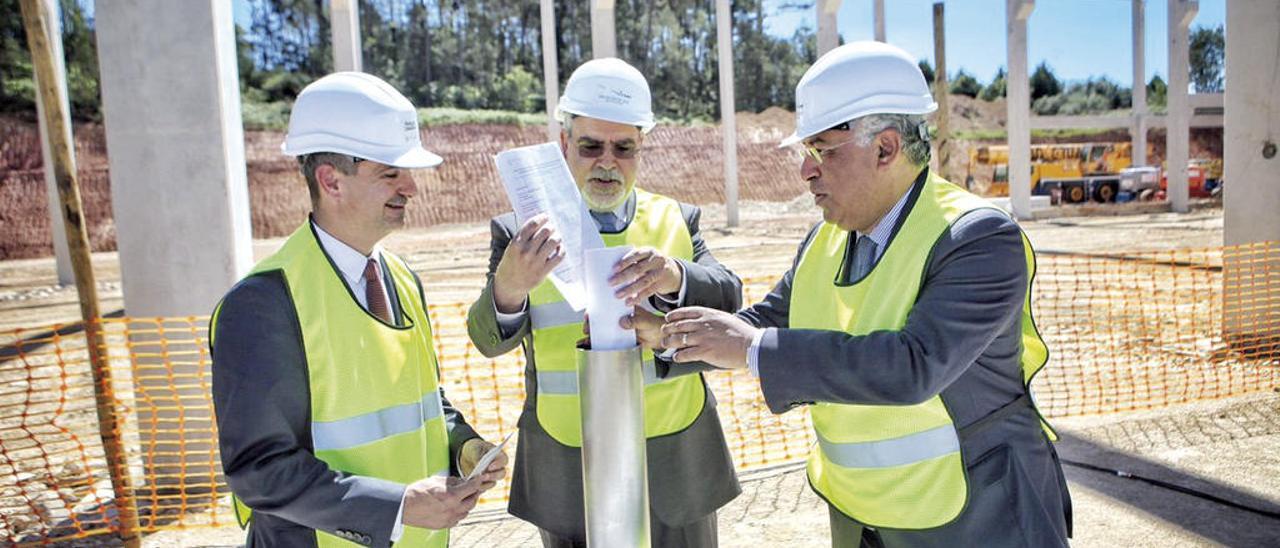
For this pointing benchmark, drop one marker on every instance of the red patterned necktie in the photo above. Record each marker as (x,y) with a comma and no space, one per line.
(373,293)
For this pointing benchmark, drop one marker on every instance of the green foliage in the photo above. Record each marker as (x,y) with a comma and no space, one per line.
(1157,92)
(1043,82)
(445,116)
(1093,96)
(17,81)
(1208,52)
(996,88)
(965,84)
(264,115)
(927,69)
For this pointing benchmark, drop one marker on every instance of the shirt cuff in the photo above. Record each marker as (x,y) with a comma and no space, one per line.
(753,353)
(679,300)
(398,529)
(509,323)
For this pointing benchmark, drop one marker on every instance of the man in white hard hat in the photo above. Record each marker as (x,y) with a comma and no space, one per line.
(905,324)
(605,113)
(332,425)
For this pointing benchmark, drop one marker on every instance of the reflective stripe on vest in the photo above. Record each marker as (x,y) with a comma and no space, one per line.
(883,465)
(554,314)
(376,425)
(671,405)
(562,383)
(374,395)
(920,446)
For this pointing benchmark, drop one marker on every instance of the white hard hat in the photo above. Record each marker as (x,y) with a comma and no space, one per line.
(357,114)
(611,90)
(855,80)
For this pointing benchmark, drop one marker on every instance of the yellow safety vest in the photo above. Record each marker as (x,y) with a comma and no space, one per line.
(894,466)
(394,429)
(669,405)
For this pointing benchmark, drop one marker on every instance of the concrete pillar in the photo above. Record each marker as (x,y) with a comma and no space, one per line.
(1251,211)
(1138,126)
(603,43)
(1251,275)
(1178,119)
(181,206)
(550,67)
(344,24)
(879,17)
(62,257)
(1018,92)
(828,23)
(728,121)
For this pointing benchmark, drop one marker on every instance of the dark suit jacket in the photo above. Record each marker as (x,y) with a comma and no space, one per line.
(262,398)
(690,472)
(962,340)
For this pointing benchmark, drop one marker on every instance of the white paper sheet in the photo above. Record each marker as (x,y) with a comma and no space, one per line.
(603,307)
(537,180)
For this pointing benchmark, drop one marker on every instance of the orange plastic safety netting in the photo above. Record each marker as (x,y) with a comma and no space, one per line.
(1125,331)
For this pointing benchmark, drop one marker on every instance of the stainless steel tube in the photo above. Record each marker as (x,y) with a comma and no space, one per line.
(615,477)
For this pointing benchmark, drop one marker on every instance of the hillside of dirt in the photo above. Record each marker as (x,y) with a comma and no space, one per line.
(682,162)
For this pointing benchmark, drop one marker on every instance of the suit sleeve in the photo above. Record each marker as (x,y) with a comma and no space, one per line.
(707,282)
(974,286)
(262,400)
(482,317)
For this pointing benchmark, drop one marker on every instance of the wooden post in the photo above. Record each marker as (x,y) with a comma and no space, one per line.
(940,90)
(34,19)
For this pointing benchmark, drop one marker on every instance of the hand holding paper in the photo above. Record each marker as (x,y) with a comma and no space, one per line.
(483,464)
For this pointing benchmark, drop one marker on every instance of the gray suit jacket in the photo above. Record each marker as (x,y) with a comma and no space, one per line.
(262,398)
(962,340)
(690,472)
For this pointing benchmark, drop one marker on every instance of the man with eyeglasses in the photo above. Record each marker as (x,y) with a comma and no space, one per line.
(605,113)
(904,324)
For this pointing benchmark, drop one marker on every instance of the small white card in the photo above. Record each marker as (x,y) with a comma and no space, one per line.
(603,307)
(488,457)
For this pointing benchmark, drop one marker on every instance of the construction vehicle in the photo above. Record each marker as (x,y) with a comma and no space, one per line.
(1071,173)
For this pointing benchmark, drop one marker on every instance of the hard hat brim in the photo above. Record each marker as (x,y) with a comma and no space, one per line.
(411,158)
(799,135)
(416,157)
(646,125)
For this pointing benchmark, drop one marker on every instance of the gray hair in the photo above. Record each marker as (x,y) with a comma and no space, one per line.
(345,165)
(913,129)
(566,122)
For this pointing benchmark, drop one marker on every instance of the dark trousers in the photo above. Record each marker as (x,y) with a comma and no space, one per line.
(698,534)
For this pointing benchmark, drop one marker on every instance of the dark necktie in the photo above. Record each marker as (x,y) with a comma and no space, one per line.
(607,220)
(864,254)
(374,295)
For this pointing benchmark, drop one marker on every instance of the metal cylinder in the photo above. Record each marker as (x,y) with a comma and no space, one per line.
(615,477)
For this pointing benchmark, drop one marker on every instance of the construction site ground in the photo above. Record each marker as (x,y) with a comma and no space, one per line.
(1227,448)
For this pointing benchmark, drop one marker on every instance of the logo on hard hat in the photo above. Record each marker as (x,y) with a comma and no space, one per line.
(612,96)
(410,131)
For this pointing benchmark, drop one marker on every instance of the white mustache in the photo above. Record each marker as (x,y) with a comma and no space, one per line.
(605,174)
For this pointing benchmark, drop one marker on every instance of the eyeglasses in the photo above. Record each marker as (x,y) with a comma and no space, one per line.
(622,150)
(819,154)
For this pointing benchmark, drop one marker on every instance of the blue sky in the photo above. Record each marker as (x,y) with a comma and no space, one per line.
(1078,38)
